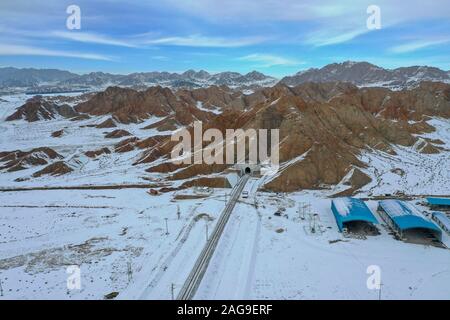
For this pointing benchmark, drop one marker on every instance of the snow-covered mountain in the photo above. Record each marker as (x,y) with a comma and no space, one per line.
(364,74)
(37,81)
(29,77)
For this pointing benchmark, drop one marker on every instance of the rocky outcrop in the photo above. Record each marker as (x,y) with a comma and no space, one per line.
(213,98)
(366,74)
(131,144)
(20,160)
(117,134)
(57,134)
(96,153)
(355,180)
(210,182)
(428,99)
(131,106)
(37,108)
(108,123)
(322,132)
(55,169)
(167,124)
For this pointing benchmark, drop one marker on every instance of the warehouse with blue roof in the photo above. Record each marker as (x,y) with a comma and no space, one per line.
(438,203)
(350,211)
(407,221)
(442,220)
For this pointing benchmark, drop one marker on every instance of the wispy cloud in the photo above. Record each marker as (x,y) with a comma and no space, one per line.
(417,45)
(160,58)
(267,60)
(202,41)
(326,38)
(16,50)
(92,38)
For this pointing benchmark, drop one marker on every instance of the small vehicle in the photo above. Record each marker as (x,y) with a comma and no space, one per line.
(245,194)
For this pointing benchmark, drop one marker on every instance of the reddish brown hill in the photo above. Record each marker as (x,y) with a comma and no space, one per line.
(37,108)
(120,133)
(214,98)
(323,128)
(127,105)
(429,99)
(55,169)
(108,123)
(19,160)
(96,153)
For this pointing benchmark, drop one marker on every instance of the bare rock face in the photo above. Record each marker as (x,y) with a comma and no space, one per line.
(131,144)
(57,134)
(126,145)
(109,123)
(321,165)
(428,99)
(426,147)
(55,169)
(165,167)
(358,179)
(96,153)
(167,124)
(37,108)
(20,160)
(323,128)
(210,182)
(213,98)
(117,134)
(366,74)
(131,106)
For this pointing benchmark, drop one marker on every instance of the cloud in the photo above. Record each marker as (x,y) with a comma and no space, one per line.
(417,45)
(267,60)
(308,10)
(15,50)
(326,38)
(160,58)
(91,38)
(202,41)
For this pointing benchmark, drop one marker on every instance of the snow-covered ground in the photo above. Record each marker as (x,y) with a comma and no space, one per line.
(106,233)
(118,237)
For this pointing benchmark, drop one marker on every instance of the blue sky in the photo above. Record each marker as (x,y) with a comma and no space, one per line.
(274,37)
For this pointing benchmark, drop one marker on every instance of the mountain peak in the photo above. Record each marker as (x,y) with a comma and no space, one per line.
(365,74)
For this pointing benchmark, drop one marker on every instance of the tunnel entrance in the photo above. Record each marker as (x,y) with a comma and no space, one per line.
(248,170)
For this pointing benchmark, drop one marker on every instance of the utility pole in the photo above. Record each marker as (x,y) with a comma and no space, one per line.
(172,291)
(379,291)
(167,226)
(129,272)
(178,212)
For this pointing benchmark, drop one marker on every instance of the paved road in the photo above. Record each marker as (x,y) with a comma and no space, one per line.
(192,283)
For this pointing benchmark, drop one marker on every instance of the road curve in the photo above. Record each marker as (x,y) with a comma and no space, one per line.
(192,282)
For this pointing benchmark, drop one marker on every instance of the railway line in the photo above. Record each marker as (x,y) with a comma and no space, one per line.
(192,282)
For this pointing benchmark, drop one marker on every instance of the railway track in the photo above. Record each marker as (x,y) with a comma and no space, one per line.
(192,282)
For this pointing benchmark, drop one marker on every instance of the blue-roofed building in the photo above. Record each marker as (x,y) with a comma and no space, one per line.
(349,210)
(406,220)
(442,220)
(439,203)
